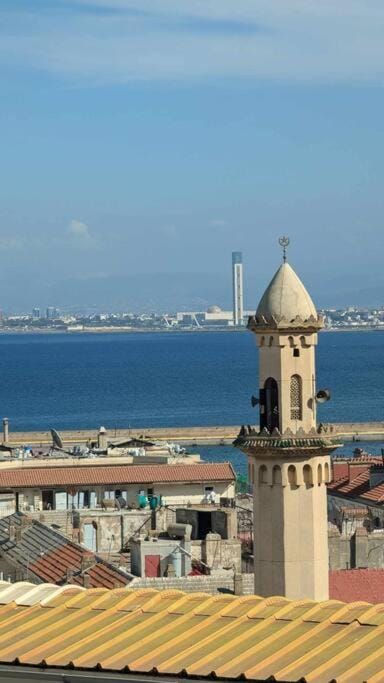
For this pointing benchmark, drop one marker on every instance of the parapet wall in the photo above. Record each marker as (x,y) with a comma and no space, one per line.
(199,584)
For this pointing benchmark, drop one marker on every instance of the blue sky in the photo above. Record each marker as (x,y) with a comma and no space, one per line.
(145,137)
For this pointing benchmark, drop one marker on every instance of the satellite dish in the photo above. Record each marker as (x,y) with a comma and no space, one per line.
(322,396)
(254,401)
(56,438)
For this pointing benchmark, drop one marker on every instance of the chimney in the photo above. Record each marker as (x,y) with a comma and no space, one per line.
(25,522)
(5,430)
(102,439)
(87,561)
(86,580)
(376,475)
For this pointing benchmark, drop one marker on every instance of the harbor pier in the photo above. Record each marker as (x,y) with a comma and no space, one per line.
(190,436)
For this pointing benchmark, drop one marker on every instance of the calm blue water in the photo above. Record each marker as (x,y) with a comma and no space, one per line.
(170,379)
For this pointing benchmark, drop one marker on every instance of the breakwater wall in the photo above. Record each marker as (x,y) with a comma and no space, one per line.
(197,435)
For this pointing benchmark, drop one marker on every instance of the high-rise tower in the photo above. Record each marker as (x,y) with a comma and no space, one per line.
(288,458)
(237,285)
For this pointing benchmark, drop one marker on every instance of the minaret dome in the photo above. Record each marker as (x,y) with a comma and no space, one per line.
(286,302)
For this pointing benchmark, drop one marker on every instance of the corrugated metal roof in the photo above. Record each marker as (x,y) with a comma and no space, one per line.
(27,594)
(116,475)
(197,635)
(44,554)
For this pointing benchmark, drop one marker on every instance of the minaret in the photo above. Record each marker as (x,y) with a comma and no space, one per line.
(288,459)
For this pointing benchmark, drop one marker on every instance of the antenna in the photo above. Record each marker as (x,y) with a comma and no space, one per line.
(284,242)
(57,440)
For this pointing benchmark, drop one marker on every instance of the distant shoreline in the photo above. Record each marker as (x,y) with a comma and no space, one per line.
(138,330)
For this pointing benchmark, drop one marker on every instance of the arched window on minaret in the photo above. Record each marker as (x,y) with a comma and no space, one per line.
(296,398)
(270,417)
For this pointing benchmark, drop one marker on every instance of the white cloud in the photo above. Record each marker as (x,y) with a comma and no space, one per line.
(79,229)
(127,40)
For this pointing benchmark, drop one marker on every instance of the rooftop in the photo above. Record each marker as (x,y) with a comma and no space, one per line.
(117,474)
(46,555)
(356,483)
(191,636)
(349,585)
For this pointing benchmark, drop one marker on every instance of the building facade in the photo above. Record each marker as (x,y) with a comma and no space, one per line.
(237,288)
(120,486)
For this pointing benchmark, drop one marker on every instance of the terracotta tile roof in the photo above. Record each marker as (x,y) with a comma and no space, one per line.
(116,474)
(196,636)
(339,469)
(360,511)
(349,585)
(356,486)
(376,494)
(47,555)
(339,482)
(367,458)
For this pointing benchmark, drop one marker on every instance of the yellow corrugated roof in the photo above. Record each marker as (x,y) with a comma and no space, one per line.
(197,635)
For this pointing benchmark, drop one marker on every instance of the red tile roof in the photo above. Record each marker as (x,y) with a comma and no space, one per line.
(356,486)
(51,557)
(340,469)
(368,458)
(116,475)
(350,585)
(376,494)
(339,482)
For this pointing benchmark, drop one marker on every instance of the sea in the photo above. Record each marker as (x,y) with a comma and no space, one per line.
(172,379)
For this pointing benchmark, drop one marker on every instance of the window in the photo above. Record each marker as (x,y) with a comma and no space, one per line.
(307,475)
(296,398)
(292,476)
(296,353)
(269,417)
(47,499)
(326,473)
(319,475)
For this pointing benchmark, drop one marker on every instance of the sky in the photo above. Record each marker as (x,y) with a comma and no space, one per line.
(144,140)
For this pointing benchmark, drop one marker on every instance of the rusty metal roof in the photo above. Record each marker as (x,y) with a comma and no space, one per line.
(116,474)
(196,636)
